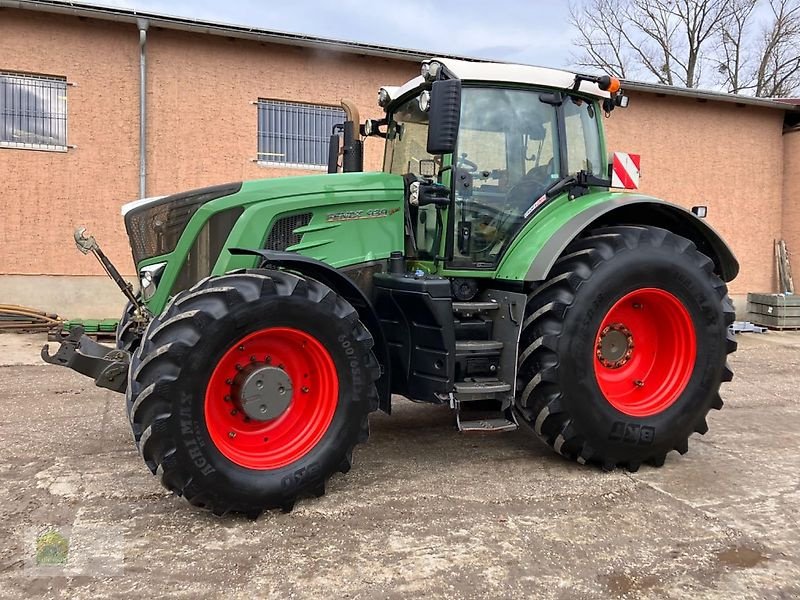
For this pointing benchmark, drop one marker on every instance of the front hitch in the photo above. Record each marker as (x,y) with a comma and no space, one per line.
(107,366)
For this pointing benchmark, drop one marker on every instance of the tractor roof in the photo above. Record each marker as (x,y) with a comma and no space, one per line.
(502,73)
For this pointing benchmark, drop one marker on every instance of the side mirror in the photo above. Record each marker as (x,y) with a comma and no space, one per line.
(444,116)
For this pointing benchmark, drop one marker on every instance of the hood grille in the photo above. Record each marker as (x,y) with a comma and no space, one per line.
(282,235)
(156,227)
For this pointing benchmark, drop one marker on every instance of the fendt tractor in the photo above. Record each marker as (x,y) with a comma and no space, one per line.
(488,267)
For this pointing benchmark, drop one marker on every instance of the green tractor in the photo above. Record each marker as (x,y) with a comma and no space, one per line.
(488,267)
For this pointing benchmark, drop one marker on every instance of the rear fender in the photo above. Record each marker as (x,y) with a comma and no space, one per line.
(348,290)
(627,209)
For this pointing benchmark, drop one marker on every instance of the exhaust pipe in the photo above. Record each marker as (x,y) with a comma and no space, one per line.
(352,150)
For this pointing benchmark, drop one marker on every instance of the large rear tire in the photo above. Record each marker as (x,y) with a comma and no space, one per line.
(624,348)
(251,390)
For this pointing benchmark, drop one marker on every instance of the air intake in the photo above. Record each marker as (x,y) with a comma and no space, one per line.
(282,235)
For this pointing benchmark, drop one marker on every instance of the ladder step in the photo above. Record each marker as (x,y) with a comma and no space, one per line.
(466,391)
(471,308)
(478,346)
(486,425)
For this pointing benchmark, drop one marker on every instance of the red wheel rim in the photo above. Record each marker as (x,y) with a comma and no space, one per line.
(645,352)
(284,439)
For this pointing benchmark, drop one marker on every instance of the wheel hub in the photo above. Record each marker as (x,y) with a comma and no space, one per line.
(614,346)
(263,392)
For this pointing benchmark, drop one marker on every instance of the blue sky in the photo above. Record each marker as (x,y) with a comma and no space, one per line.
(527,31)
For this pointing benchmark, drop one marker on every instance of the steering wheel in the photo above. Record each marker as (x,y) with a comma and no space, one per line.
(492,220)
(523,193)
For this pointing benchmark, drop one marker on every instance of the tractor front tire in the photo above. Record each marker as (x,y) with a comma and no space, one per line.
(251,390)
(624,348)
(129,334)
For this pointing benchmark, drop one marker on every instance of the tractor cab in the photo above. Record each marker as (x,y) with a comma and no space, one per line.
(481,154)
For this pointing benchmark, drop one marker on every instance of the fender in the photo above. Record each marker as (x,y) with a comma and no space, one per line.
(345,287)
(612,208)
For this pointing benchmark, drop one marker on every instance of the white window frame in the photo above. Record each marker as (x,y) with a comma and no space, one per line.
(39,101)
(305,126)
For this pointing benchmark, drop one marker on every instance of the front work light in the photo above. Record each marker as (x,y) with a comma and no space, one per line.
(430,70)
(384,98)
(424,101)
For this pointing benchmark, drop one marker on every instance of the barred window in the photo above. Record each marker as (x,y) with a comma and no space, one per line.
(33,111)
(294,134)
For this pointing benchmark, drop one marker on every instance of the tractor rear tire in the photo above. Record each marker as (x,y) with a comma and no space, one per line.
(193,383)
(624,348)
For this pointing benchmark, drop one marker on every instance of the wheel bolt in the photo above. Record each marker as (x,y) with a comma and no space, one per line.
(304,389)
(229,381)
(638,383)
(637,306)
(241,348)
(227,398)
(234,412)
(231,434)
(253,359)
(239,367)
(268,359)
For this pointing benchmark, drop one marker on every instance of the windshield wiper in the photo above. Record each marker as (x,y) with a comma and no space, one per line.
(581,179)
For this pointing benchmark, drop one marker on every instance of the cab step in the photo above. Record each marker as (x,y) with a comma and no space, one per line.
(485,389)
(486,422)
(468,309)
(478,346)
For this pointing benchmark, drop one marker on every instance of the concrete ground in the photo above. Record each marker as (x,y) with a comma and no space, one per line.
(425,512)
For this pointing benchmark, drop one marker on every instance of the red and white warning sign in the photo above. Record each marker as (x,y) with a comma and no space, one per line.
(625,171)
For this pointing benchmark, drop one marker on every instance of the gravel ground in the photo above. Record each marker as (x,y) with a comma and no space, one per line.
(425,512)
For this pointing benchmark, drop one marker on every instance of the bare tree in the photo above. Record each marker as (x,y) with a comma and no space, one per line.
(731,60)
(778,72)
(744,46)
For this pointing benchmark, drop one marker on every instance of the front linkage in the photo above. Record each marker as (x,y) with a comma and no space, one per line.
(107,366)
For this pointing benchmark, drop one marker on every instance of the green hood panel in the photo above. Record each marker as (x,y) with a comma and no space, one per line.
(354,218)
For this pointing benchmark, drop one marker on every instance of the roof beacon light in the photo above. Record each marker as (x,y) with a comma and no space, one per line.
(608,84)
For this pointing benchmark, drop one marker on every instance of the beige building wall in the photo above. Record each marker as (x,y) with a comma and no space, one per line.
(791,200)
(726,156)
(202,129)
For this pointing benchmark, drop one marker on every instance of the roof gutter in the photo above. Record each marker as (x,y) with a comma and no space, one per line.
(705,95)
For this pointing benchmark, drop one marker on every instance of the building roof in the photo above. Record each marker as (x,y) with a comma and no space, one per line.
(468,67)
(128,15)
(706,95)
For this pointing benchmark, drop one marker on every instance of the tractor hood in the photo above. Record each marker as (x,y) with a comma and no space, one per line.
(155,225)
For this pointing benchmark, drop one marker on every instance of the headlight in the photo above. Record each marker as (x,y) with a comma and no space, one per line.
(424,101)
(413,194)
(149,277)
